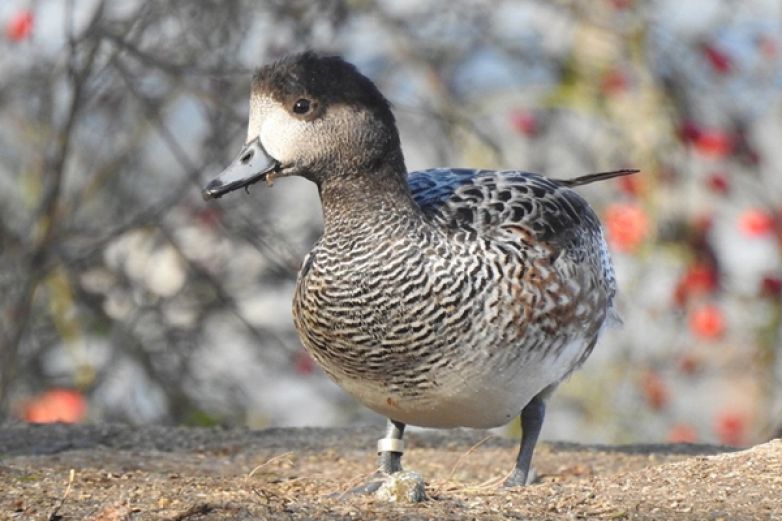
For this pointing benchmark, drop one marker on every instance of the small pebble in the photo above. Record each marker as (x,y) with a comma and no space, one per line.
(402,487)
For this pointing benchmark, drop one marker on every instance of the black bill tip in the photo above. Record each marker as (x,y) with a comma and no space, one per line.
(216,188)
(253,164)
(212,190)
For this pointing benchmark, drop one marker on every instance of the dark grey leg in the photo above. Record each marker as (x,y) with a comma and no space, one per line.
(391,447)
(531,422)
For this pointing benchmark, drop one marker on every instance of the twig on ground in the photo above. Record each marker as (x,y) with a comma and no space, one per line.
(353,483)
(467,453)
(199,509)
(54,516)
(286,455)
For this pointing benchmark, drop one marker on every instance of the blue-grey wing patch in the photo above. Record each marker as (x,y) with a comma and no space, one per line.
(433,188)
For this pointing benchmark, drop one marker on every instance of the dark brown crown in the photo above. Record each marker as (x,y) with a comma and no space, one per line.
(328,79)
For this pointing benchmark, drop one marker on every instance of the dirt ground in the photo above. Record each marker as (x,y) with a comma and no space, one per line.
(116,472)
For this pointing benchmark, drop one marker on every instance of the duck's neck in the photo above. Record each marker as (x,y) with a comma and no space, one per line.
(359,201)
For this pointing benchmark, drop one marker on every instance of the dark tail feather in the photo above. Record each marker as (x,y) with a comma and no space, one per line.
(600,176)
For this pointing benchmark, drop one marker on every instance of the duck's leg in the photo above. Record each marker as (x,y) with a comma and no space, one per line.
(389,450)
(531,422)
(391,447)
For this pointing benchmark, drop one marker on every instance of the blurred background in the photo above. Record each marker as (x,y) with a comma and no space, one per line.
(125,297)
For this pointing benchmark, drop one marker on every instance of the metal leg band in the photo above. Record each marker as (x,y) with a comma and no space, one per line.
(390,445)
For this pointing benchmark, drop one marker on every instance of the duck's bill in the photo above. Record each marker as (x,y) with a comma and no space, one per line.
(252,164)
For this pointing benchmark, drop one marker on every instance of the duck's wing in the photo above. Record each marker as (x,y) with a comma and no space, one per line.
(540,215)
(488,202)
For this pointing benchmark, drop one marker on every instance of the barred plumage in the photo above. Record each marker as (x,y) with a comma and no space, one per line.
(442,298)
(499,275)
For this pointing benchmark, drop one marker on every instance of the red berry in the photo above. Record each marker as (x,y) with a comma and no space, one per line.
(524,122)
(303,363)
(699,279)
(755,222)
(714,143)
(688,364)
(630,184)
(731,427)
(621,5)
(718,182)
(707,322)
(613,82)
(56,405)
(702,223)
(771,286)
(689,131)
(19,26)
(627,225)
(654,390)
(209,216)
(768,46)
(718,59)
(682,433)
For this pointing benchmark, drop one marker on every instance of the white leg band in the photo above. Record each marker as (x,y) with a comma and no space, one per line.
(390,445)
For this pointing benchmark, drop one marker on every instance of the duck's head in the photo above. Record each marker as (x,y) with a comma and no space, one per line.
(312,116)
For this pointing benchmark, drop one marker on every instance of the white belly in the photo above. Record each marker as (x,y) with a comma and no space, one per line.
(480,400)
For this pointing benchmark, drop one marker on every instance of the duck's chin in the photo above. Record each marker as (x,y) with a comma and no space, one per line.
(280,172)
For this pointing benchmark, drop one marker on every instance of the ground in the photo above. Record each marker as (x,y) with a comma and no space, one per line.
(116,472)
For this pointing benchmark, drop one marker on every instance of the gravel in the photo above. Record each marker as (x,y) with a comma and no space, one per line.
(137,473)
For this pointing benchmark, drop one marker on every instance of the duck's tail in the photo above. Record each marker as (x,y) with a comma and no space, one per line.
(600,176)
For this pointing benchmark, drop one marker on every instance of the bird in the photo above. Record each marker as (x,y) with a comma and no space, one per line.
(447,297)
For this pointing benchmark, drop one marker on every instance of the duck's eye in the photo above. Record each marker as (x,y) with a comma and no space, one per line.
(302,106)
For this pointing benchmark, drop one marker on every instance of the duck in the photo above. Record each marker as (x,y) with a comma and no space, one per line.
(445,298)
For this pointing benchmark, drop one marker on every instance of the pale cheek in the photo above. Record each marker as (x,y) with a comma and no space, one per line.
(282,136)
(258,109)
(253,126)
